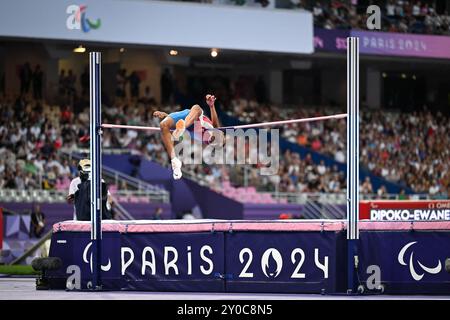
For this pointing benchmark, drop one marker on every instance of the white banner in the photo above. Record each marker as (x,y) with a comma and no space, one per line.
(165,23)
(409,214)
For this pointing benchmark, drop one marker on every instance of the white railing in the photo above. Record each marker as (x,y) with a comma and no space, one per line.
(35,195)
(59,196)
(340,198)
(150,195)
(104,151)
(119,177)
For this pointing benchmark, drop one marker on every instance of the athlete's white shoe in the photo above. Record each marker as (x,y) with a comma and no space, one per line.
(180,128)
(176,168)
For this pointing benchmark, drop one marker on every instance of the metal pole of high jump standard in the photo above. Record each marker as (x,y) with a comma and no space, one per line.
(352,161)
(96,163)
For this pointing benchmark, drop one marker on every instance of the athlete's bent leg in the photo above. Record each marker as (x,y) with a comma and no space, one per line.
(194,114)
(181,125)
(166,136)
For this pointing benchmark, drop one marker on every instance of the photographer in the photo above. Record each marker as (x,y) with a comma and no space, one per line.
(84,167)
(80,194)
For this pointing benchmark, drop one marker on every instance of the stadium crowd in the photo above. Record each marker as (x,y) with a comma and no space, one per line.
(403,148)
(399,147)
(405,16)
(397,16)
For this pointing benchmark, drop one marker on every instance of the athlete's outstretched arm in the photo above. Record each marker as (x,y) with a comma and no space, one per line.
(210,99)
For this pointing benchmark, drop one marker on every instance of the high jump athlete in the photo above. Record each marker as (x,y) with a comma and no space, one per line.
(180,121)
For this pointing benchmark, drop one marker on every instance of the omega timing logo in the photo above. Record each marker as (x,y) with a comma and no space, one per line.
(271,261)
(416,276)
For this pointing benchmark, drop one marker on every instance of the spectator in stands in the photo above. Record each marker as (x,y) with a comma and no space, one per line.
(70,81)
(260,90)
(47,149)
(2,83)
(402,195)
(416,9)
(62,88)
(30,182)
(37,226)
(38,78)
(66,115)
(19,179)
(166,87)
(366,187)
(442,194)
(399,11)
(121,80)
(434,188)
(157,215)
(84,81)
(148,97)
(390,9)
(381,192)
(25,78)
(49,181)
(2,166)
(134,81)
(9,181)
(340,156)
(318,11)
(321,169)
(135,162)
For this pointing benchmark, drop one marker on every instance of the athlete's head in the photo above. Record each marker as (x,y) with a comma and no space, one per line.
(211,135)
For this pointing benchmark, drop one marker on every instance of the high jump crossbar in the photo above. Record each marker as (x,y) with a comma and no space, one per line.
(244,126)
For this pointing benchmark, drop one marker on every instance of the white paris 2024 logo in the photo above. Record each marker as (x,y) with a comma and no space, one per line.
(271,261)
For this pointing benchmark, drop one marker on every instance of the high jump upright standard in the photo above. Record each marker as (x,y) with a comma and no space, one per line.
(96,166)
(352,159)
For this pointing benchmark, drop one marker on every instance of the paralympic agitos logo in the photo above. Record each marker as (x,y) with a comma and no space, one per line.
(77,19)
(86,260)
(416,275)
